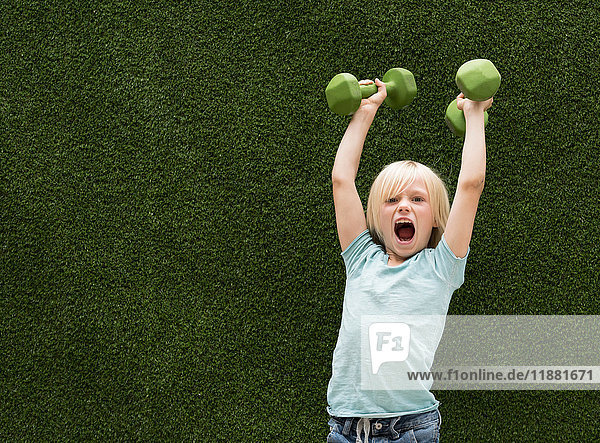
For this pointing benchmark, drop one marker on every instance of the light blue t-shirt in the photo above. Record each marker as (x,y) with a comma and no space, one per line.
(420,288)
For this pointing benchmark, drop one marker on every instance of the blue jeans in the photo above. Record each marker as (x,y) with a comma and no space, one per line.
(414,428)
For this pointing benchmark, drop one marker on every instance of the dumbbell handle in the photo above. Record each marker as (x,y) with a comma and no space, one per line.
(368,90)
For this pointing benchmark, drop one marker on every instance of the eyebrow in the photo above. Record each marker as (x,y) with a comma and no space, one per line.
(419,191)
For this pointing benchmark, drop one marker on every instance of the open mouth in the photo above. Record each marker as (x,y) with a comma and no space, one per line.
(405,231)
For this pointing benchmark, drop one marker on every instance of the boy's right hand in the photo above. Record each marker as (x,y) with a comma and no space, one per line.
(373,102)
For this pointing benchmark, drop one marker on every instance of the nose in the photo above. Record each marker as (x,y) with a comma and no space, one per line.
(403,205)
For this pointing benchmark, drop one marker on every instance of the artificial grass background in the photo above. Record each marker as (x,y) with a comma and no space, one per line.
(170,267)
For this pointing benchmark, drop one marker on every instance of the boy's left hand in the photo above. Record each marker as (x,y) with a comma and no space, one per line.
(470,106)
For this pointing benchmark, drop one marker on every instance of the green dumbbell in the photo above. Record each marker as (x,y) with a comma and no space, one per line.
(344,93)
(478,80)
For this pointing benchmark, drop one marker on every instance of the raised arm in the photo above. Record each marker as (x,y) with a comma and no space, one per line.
(471,179)
(349,212)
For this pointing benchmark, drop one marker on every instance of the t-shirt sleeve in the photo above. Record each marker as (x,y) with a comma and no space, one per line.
(447,265)
(358,252)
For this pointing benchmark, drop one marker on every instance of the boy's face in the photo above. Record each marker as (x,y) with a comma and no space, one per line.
(406,222)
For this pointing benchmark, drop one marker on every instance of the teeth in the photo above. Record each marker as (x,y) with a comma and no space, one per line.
(404,222)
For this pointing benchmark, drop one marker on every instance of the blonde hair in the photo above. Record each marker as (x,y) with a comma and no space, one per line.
(396,177)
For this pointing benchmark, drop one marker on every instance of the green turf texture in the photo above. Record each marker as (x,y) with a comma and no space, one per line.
(169,262)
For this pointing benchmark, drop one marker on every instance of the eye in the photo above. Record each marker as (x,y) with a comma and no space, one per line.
(419,199)
(392,200)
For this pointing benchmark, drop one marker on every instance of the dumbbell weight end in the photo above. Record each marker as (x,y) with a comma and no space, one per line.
(478,79)
(455,119)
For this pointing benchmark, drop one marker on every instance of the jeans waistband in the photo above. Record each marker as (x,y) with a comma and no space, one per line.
(392,426)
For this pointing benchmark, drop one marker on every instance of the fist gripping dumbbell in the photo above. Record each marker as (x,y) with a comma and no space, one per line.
(344,93)
(478,80)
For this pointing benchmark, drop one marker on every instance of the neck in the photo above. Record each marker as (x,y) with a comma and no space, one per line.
(394,259)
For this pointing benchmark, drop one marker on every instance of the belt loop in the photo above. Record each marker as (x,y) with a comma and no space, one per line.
(347,426)
(394,434)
